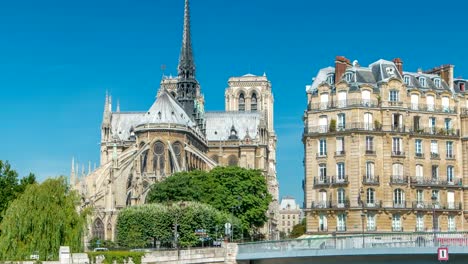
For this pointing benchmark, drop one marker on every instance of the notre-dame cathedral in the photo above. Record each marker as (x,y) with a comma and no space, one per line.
(176,134)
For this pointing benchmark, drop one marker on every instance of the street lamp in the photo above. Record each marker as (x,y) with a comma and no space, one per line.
(362,223)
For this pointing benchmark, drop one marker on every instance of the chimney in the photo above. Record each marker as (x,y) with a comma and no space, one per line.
(399,64)
(341,63)
(445,72)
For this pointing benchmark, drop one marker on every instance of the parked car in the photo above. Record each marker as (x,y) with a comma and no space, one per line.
(100,249)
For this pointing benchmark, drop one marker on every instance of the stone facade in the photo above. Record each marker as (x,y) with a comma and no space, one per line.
(385,149)
(176,134)
(290,214)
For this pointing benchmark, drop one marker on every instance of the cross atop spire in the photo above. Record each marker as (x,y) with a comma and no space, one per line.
(186,63)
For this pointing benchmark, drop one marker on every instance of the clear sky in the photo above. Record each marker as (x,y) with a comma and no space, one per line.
(58,58)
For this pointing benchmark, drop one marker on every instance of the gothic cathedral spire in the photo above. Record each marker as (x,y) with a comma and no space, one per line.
(188,89)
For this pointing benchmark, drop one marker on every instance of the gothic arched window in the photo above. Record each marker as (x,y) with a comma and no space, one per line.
(98,229)
(241,102)
(159,158)
(232,161)
(143,159)
(253,106)
(177,148)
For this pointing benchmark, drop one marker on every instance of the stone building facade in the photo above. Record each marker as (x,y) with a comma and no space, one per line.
(290,214)
(385,149)
(176,134)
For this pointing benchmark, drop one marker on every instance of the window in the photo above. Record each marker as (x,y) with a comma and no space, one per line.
(445,104)
(451,199)
(462,87)
(435,172)
(430,102)
(370,195)
(437,82)
(419,196)
(369,144)
(369,170)
(449,149)
(323,173)
(331,79)
(253,105)
(322,147)
(416,120)
(324,101)
(323,199)
(323,223)
(399,198)
(422,81)
(397,122)
(394,96)
(159,158)
(420,222)
(414,101)
(418,147)
(368,125)
(396,222)
(419,172)
(340,171)
(434,148)
(323,124)
(371,226)
(450,174)
(432,124)
(340,148)
(241,102)
(407,80)
(341,99)
(349,76)
(341,121)
(98,229)
(341,225)
(397,169)
(448,124)
(341,197)
(366,97)
(435,193)
(397,146)
(451,223)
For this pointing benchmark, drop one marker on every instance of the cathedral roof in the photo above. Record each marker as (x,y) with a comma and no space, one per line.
(165,110)
(220,124)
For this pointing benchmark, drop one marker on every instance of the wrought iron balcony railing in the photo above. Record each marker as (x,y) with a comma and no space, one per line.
(398,179)
(322,181)
(421,181)
(370,180)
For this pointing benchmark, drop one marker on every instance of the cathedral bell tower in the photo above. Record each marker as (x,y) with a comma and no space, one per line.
(188,88)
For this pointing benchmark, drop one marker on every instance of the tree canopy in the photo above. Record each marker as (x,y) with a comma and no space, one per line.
(10,187)
(42,219)
(139,225)
(242,192)
(299,229)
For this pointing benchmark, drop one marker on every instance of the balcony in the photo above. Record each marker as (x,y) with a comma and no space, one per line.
(434,108)
(450,156)
(341,229)
(337,205)
(437,131)
(371,228)
(437,206)
(398,154)
(395,103)
(397,229)
(398,128)
(343,104)
(373,205)
(370,180)
(340,153)
(419,155)
(398,180)
(321,155)
(400,205)
(370,152)
(434,182)
(339,180)
(435,156)
(321,181)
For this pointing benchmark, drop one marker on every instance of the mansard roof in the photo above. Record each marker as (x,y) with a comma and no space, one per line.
(219,124)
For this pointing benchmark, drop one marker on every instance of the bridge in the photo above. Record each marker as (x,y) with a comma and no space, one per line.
(420,247)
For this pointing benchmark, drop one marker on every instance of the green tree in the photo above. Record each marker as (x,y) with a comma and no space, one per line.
(42,219)
(242,192)
(298,230)
(10,188)
(138,226)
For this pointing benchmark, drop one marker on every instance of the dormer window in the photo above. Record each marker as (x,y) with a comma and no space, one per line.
(390,71)
(407,80)
(331,79)
(349,77)
(422,81)
(437,82)
(462,86)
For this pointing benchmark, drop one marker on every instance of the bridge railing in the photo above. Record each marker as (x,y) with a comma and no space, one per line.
(368,241)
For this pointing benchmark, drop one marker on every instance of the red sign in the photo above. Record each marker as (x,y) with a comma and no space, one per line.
(442,254)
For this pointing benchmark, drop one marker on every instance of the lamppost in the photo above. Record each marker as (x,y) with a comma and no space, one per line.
(362,223)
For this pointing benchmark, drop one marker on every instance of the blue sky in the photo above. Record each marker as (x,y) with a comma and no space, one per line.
(57,59)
